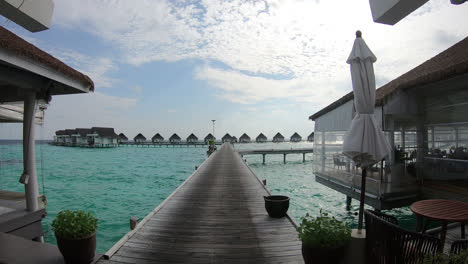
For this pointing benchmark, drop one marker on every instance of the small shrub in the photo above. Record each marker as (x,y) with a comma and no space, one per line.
(323,231)
(441,258)
(74,224)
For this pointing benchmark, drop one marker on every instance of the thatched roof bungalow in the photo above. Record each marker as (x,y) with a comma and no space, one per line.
(102,136)
(310,138)
(139,138)
(192,138)
(295,137)
(278,138)
(175,139)
(423,114)
(157,138)
(81,136)
(226,138)
(122,138)
(244,138)
(208,138)
(233,139)
(261,138)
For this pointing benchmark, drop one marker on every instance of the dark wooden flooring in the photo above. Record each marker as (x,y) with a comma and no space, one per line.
(218,216)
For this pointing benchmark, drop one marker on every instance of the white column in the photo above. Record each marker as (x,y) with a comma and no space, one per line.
(29,155)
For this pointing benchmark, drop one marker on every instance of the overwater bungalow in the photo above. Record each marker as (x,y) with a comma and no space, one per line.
(174,139)
(192,138)
(102,137)
(29,78)
(208,138)
(295,137)
(234,139)
(157,138)
(122,138)
(81,136)
(60,136)
(261,138)
(139,138)
(310,138)
(244,138)
(278,138)
(68,136)
(423,114)
(226,138)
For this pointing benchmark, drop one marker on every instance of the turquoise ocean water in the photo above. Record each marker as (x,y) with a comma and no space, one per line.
(117,183)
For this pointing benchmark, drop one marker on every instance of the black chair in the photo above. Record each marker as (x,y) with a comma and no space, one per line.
(458,246)
(387,243)
(385,217)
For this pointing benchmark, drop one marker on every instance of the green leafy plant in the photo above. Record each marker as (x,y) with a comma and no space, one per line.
(441,258)
(323,231)
(74,224)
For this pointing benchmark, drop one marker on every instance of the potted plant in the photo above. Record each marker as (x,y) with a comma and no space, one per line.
(76,235)
(324,238)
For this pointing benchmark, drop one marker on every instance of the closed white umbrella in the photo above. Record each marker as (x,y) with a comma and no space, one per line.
(364,142)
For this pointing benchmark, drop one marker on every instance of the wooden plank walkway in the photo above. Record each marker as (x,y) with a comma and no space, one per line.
(216,216)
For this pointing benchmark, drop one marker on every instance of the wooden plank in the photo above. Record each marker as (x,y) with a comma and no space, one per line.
(216,216)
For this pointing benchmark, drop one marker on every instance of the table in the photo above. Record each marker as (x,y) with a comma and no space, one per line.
(445,211)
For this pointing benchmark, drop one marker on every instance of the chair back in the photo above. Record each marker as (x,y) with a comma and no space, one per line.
(388,243)
(458,246)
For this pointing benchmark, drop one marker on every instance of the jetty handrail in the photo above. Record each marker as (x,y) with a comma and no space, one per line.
(127,236)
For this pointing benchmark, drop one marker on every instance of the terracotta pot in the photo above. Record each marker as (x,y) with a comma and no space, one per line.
(77,250)
(276,205)
(314,255)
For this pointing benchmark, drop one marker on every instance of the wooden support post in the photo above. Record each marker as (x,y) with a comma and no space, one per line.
(264,182)
(263,158)
(303,157)
(284,158)
(348,202)
(133,222)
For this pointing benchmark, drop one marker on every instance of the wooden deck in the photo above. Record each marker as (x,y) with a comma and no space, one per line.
(216,216)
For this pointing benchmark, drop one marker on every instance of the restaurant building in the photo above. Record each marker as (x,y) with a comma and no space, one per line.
(423,114)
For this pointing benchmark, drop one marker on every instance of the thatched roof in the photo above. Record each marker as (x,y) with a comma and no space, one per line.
(174,137)
(261,136)
(157,136)
(227,136)
(83,131)
(244,136)
(296,135)
(104,131)
(139,136)
(122,136)
(70,132)
(60,132)
(448,64)
(311,135)
(192,136)
(18,46)
(209,136)
(278,135)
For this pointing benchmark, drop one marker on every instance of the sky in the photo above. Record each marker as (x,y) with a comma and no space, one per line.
(253,66)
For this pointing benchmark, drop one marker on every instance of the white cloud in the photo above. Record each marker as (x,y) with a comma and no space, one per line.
(96,68)
(304,44)
(86,110)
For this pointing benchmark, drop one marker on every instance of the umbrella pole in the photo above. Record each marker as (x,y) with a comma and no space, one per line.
(361,202)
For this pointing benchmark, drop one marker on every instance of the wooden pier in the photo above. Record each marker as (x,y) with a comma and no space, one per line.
(165,144)
(216,216)
(284,152)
